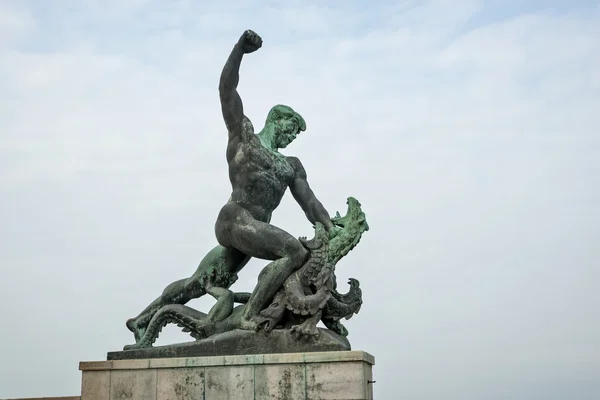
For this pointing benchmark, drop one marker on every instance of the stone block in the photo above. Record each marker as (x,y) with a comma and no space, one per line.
(133,384)
(180,384)
(285,358)
(279,381)
(335,381)
(95,385)
(231,382)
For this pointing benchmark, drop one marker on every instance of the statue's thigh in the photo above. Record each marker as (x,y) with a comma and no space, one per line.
(262,240)
(222,258)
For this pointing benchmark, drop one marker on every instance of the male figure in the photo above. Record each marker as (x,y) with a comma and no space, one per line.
(259,176)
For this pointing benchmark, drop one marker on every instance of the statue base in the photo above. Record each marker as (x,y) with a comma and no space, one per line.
(240,342)
(311,375)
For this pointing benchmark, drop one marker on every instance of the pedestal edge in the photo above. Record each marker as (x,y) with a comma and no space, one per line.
(276,358)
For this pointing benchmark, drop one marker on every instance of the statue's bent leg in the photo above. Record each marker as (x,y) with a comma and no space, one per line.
(237,228)
(178,292)
(241,297)
(219,260)
(224,306)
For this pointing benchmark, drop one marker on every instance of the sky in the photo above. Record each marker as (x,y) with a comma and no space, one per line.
(468,130)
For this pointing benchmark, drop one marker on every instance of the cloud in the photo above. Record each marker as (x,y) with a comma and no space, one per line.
(471,142)
(14,22)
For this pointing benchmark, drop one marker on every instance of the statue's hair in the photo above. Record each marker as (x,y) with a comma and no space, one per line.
(281,111)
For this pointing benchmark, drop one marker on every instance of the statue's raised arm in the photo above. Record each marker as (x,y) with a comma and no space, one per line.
(231,103)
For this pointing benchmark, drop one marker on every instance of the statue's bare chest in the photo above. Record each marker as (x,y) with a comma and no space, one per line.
(254,158)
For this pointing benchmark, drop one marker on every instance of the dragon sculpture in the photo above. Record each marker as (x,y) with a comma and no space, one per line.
(308,296)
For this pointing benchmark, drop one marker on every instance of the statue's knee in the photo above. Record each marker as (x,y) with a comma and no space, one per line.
(298,255)
(227,296)
(262,273)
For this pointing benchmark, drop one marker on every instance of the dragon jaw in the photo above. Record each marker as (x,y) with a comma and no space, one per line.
(353,225)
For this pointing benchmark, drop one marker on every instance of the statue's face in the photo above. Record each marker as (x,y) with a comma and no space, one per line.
(286,130)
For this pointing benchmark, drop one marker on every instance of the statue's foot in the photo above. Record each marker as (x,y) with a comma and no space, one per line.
(307,329)
(138,332)
(136,346)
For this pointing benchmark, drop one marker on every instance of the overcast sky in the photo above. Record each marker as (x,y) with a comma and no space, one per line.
(469,131)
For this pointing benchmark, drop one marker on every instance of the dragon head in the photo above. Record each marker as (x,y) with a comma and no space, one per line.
(354,283)
(353,225)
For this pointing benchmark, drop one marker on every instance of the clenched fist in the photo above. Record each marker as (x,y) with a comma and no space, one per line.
(250,41)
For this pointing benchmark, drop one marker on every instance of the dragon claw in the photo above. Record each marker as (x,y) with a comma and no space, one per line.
(306,330)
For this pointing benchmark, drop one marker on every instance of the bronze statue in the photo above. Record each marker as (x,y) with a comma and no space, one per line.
(259,176)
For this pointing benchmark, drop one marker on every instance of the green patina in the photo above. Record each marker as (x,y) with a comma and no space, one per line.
(297,289)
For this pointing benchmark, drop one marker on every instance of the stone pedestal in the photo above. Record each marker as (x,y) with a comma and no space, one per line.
(315,375)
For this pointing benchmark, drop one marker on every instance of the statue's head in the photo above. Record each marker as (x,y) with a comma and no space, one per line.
(286,124)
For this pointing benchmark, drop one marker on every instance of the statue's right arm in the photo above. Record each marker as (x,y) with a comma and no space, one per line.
(231,103)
